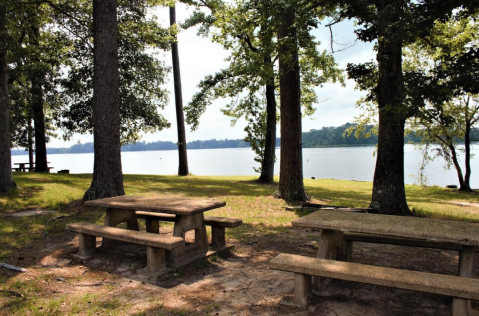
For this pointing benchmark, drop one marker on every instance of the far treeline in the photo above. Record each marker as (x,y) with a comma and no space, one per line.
(324,137)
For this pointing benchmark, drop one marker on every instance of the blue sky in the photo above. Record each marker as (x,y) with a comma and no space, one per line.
(199,57)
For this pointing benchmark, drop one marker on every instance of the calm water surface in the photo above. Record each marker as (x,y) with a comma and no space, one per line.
(348,163)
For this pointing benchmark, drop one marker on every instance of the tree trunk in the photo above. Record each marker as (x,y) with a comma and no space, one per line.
(455,161)
(6,176)
(180,117)
(267,165)
(37,78)
(107,174)
(30,143)
(389,194)
(291,187)
(467,147)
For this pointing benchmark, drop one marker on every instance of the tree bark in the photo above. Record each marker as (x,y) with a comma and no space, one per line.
(467,146)
(107,173)
(291,187)
(6,177)
(37,78)
(180,117)
(267,165)
(389,194)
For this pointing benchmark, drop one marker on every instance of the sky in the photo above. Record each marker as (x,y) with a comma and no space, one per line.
(200,57)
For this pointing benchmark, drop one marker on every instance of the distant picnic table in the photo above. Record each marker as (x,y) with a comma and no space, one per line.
(22,167)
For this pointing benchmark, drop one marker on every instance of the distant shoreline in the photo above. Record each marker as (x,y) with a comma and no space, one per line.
(65,150)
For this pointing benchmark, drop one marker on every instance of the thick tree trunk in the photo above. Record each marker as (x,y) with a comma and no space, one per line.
(267,165)
(291,185)
(180,116)
(37,78)
(6,176)
(107,174)
(389,194)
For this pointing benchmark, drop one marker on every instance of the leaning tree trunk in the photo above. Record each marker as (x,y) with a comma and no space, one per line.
(389,194)
(267,165)
(180,116)
(37,78)
(456,164)
(6,177)
(291,187)
(107,174)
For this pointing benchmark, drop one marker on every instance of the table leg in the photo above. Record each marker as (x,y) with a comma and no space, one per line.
(116,216)
(190,251)
(330,247)
(461,307)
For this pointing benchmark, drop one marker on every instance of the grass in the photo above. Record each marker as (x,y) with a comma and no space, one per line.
(263,217)
(245,199)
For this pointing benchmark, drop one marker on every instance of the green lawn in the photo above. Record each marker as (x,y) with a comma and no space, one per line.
(264,217)
(245,199)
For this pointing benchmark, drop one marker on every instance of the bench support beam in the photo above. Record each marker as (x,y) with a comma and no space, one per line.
(155,259)
(331,247)
(87,245)
(461,307)
(114,217)
(302,290)
(218,238)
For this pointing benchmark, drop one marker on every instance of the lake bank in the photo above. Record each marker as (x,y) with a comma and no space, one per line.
(344,163)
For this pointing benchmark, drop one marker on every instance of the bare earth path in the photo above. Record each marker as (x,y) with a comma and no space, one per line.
(240,283)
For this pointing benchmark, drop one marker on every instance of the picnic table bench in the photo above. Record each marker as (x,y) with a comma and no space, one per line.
(156,244)
(310,273)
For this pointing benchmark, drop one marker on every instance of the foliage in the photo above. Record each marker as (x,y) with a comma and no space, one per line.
(449,112)
(141,73)
(248,30)
(36,51)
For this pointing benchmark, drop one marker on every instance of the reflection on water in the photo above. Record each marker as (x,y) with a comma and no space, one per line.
(349,163)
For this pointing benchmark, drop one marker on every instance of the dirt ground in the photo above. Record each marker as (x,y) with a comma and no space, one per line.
(238,283)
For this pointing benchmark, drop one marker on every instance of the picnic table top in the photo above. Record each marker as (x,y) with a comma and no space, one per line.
(159,204)
(460,232)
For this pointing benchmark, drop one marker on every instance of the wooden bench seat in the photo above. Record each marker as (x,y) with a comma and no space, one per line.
(305,267)
(156,244)
(218,225)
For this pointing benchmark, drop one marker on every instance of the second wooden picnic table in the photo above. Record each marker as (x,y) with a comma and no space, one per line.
(334,224)
(188,212)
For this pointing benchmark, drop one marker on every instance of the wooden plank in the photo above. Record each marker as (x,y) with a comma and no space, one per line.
(132,236)
(455,286)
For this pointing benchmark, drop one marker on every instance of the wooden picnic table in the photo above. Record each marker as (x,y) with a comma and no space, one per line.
(189,214)
(333,224)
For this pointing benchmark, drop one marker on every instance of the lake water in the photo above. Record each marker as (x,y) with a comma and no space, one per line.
(348,163)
